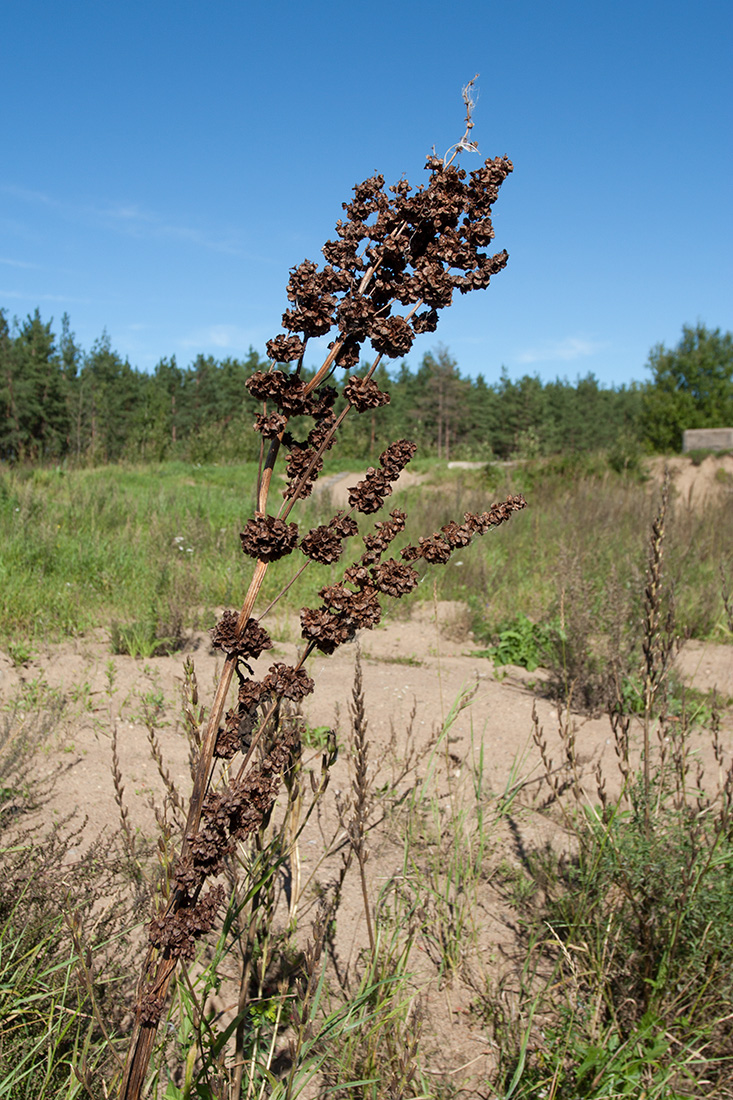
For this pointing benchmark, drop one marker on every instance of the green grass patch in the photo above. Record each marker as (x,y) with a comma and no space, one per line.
(155,549)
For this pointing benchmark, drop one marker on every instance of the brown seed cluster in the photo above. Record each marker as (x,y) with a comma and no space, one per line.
(281,682)
(268,538)
(229,815)
(177,932)
(290,394)
(393,578)
(384,533)
(324,544)
(287,391)
(344,611)
(437,549)
(396,260)
(403,248)
(150,1008)
(250,643)
(364,393)
(368,496)
(234,735)
(285,682)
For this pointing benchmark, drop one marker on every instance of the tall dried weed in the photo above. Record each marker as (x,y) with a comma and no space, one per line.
(397,259)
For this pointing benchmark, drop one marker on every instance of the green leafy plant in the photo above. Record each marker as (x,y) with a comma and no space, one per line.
(317,737)
(625,456)
(145,638)
(518,641)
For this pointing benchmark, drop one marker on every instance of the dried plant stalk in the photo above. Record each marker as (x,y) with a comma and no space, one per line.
(411,250)
(361,787)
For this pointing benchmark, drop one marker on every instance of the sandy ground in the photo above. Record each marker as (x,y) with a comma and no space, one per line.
(420,665)
(424,663)
(697,485)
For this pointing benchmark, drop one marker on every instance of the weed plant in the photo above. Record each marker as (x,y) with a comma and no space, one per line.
(397,258)
(26,723)
(516,641)
(698,454)
(575,569)
(64,916)
(626,983)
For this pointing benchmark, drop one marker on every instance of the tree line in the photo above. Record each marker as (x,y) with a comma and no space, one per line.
(58,402)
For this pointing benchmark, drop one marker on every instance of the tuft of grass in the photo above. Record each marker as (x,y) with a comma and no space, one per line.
(635,932)
(147,638)
(20,652)
(60,1013)
(698,454)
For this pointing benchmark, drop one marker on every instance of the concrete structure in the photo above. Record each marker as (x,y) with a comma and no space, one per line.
(709,439)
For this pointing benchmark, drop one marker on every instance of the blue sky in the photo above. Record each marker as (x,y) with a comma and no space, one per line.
(164,165)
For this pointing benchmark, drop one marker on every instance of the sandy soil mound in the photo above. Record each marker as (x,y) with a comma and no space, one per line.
(697,485)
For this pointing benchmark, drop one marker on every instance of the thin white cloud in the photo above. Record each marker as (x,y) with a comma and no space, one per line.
(20,263)
(134,219)
(127,217)
(561,351)
(128,212)
(25,193)
(222,337)
(34,299)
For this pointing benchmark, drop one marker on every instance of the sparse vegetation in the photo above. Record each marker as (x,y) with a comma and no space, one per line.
(576,1006)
